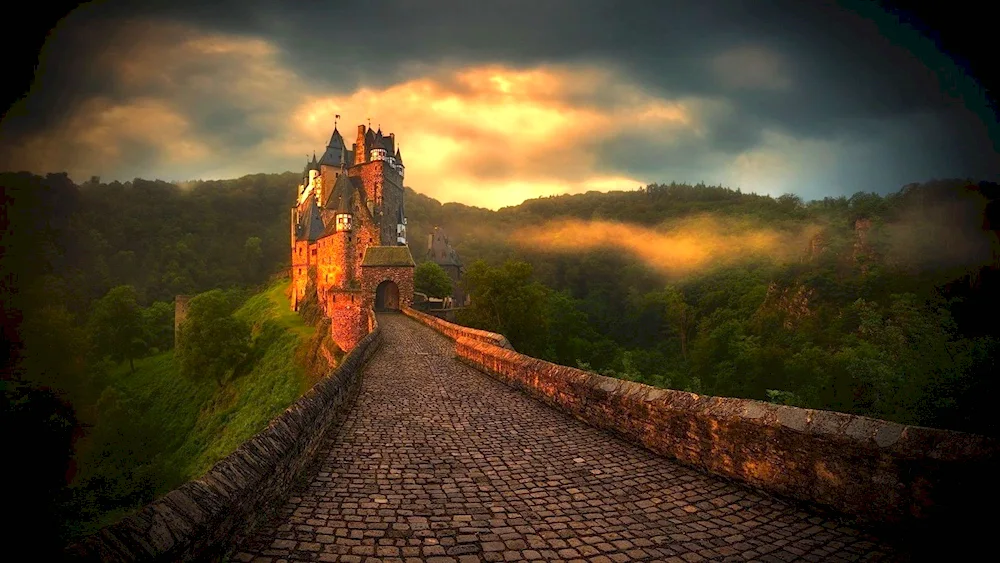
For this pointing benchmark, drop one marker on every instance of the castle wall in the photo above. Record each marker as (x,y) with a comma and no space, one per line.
(301,254)
(348,318)
(330,268)
(206,518)
(401,275)
(383,187)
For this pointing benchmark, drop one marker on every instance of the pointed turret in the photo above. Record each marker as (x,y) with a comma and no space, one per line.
(334,154)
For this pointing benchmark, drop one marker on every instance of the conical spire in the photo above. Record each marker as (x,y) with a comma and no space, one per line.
(334,154)
(399,158)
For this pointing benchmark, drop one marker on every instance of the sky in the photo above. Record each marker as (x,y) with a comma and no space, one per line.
(495,103)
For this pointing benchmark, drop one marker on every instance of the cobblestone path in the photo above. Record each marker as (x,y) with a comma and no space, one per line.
(438,462)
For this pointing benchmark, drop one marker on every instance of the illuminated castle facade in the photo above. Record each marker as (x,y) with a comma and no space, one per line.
(349,233)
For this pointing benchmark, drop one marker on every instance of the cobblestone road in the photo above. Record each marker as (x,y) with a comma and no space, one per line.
(438,462)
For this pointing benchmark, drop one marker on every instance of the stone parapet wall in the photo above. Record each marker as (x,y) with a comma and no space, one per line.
(207,518)
(875,470)
(454,331)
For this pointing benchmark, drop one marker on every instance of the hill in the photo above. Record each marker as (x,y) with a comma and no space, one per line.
(155,429)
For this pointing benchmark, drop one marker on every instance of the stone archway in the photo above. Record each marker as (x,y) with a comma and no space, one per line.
(387,296)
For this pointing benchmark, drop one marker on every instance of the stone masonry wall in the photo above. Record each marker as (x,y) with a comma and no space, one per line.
(876,470)
(372,276)
(455,331)
(207,518)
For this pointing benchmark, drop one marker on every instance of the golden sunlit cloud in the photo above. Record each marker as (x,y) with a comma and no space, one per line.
(204,104)
(493,136)
(682,248)
(103,132)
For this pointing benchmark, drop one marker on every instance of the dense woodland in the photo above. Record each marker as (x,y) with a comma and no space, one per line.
(880,311)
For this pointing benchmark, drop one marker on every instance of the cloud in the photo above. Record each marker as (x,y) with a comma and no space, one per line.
(178,98)
(752,67)
(103,134)
(489,106)
(488,135)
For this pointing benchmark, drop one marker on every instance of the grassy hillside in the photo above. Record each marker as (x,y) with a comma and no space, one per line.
(156,430)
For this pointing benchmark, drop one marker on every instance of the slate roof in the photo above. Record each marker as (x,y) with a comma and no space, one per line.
(388,256)
(336,151)
(311,225)
(399,158)
(342,196)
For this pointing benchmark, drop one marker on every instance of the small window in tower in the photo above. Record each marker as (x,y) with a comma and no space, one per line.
(314,252)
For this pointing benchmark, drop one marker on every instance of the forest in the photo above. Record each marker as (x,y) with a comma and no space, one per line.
(868,304)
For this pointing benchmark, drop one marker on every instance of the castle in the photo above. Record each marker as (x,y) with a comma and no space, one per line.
(349,233)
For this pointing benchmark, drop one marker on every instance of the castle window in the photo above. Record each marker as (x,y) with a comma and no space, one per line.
(314,252)
(343,222)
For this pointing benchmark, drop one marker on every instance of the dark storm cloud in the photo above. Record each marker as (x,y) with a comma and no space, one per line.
(836,79)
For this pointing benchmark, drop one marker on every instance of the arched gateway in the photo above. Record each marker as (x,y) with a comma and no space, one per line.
(387,296)
(387,278)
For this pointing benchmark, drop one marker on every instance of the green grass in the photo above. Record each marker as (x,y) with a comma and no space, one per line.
(156,430)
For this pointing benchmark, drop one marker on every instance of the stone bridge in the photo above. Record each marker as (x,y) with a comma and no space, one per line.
(439,461)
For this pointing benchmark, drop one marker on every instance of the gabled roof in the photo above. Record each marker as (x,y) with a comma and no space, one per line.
(388,145)
(388,256)
(311,226)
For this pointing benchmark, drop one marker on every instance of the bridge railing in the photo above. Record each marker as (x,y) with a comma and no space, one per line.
(454,331)
(878,471)
(205,519)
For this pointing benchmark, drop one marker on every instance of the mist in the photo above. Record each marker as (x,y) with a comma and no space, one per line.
(688,246)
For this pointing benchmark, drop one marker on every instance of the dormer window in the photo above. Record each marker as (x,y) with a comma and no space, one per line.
(343,222)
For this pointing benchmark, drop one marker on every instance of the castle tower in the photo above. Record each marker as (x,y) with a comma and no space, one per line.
(360,146)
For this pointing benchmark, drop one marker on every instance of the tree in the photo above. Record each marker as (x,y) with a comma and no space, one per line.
(430,278)
(212,341)
(253,258)
(508,301)
(117,326)
(158,321)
